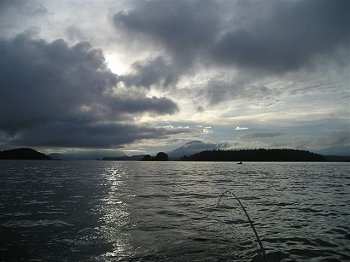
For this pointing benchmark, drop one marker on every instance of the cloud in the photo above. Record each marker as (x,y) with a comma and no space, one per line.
(272,35)
(180,31)
(207,130)
(261,135)
(191,148)
(330,139)
(286,35)
(200,109)
(53,94)
(152,72)
(174,127)
(335,142)
(183,27)
(74,33)
(30,8)
(225,87)
(241,128)
(196,146)
(21,13)
(239,61)
(90,135)
(254,39)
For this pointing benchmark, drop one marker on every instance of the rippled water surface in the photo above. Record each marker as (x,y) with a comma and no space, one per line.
(167,211)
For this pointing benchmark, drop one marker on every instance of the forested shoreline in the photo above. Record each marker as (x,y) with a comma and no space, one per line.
(255,155)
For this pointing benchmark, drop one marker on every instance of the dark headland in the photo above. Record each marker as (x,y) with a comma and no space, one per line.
(23,154)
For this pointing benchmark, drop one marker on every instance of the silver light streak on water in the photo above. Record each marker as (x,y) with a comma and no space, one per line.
(166,211)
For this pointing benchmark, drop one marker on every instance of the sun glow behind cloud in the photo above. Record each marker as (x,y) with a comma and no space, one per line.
(116,65)
(233,69)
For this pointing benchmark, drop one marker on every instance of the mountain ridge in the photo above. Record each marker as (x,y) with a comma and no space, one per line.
(23,154)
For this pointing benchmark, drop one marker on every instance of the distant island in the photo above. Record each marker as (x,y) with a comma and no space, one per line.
(161,156)
(282,155)
(23,154)
(124,158)
(263,155)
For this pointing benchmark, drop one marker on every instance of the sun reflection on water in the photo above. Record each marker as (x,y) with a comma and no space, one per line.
(115,211)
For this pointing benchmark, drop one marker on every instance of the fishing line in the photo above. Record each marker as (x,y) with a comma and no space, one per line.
(250,221)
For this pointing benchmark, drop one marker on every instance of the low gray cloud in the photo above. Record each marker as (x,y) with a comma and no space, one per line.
(197,146)
(218,90)
(261,135)
(25,7)
(56,95)
(335,142)
(74,33)
(90,135)
(331,139)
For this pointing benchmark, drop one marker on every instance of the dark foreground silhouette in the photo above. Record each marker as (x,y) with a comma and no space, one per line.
(23,153)
(288,155)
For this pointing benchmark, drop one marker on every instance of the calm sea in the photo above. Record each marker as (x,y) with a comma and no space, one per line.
(167,211)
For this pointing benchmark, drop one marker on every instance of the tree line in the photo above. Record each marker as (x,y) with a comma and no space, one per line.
(255,155)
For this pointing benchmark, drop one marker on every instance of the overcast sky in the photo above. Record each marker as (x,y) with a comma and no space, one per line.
(145,76)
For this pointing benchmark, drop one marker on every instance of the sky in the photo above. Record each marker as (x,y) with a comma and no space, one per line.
(146,76)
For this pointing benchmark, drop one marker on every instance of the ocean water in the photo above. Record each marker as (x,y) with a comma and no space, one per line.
(167,211)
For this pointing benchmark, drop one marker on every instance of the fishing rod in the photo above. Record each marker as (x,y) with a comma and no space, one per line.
(250,221)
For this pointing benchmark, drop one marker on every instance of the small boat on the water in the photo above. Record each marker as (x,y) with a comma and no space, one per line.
(239,163)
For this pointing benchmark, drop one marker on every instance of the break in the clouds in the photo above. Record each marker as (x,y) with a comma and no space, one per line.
(107,74)
(53,94)
(238,128)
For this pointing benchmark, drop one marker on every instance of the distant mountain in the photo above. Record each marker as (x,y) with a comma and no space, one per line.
(85,155)
(56,156)
(255,155)
(334,151)
(23,153)
(191,148)
(124,158)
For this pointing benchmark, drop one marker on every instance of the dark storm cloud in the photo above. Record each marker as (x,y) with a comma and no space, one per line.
(90,135)
(185,28)
(267,36)
(58,94)
(282,35)
(291,34)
